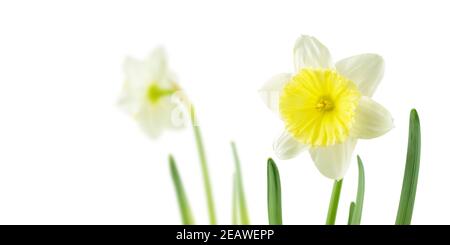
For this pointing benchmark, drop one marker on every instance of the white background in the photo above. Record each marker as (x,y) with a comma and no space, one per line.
(69,155)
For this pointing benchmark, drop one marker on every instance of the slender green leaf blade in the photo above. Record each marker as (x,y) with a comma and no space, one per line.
(334,202)
(356,217)
(351,212)
(185,210)
(243,213)
(410,177)
(235,205)
(274,194)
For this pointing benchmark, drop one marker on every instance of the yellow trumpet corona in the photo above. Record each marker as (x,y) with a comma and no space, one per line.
(318,106)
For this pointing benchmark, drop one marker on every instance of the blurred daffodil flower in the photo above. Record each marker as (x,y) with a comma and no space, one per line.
(152,96)
(326,107)
(148,93)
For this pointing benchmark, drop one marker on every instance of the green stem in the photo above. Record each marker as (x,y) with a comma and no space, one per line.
(204,167)
(351,213)
(334,202)
(244,217)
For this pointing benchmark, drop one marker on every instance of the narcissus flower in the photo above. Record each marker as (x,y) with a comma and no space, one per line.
(148,93)
(326,108)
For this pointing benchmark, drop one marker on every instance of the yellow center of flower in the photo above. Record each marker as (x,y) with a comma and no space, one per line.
(155,93)
(318,106)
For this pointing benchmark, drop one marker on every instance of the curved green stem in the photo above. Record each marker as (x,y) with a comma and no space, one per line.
(204,167)
(334,202)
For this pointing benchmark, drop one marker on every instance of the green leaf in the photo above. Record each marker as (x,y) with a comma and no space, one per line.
(410,177)
(243,213)
(274,194)
(185,210)
(350,213)
(357,212)
(235,205)
(334,202)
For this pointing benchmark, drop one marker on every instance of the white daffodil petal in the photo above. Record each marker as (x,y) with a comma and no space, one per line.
(310,53)
(371,120)
(137,74)
(333,161)
(129,102)
(157,65)
(286,147)
(155,118)
(151,120)
(366,70)
(270,92)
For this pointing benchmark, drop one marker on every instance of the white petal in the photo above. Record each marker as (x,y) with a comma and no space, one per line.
(130,102)
(287,147)
(157,64)
(155,118)
(270,92)
(371,120)
(151,120)
(333,161)
(137,74)
(366,70)
(309,52)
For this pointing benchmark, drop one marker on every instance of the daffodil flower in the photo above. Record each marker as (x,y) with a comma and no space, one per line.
(147,93)
(327,107)
(152,96)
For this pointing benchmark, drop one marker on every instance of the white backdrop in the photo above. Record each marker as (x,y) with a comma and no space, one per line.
(69,155)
